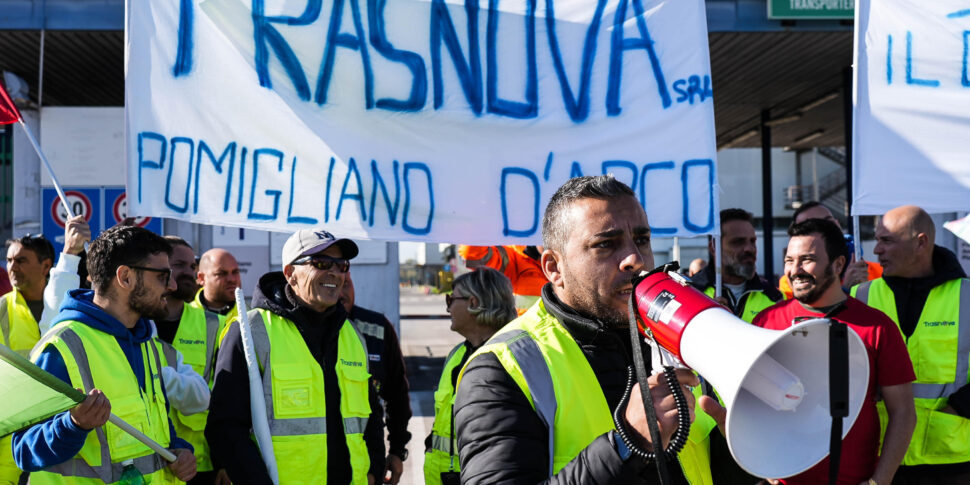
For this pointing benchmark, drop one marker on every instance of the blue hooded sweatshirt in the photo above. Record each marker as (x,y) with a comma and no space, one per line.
(58,439)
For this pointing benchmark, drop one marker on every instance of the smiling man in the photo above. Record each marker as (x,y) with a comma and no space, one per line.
(314,372)
(815,258)
(102,343)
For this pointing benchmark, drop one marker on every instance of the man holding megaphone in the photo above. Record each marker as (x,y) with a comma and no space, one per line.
(815,258)
(536,403)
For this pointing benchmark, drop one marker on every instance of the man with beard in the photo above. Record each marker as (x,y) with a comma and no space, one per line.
(191,335)
(535,403)
(815,257)
(102,342)
(926,292)
(218,276)
(854,273)
(743,291)
(315,377)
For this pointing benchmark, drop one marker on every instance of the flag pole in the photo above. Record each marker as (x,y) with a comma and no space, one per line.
(257,405)
(47,165)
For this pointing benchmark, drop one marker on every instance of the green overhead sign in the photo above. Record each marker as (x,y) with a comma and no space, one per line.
(811,9)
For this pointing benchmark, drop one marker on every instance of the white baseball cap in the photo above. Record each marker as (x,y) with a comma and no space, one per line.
(311,241)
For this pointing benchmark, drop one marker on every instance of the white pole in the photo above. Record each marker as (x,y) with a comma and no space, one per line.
(856,238)
(47,165)
(675,251)
(256,404)
(717,263)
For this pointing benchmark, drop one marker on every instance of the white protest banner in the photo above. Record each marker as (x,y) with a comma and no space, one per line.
(912,106)
(422,120)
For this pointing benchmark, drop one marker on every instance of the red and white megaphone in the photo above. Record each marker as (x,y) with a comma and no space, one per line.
(774,383)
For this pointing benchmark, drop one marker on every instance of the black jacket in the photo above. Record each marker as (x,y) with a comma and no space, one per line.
(227,428)
(501,439)
(705,279)
(390,376)
(910,295)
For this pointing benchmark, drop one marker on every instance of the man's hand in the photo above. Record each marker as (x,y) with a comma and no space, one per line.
(184,465)
(92,412)
(76,233)
(714,409)
(663,404)
(856,272)
(222,478)
(370,479)
(723,302)
(395,467)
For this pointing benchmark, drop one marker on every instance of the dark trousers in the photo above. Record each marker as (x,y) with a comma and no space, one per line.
(921,477)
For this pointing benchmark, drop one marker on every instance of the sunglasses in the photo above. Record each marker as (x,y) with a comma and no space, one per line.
(163,271)
(450,299)
(324,263)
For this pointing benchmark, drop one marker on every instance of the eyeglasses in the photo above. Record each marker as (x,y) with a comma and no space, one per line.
(324,263)
(450,299)
(163,271)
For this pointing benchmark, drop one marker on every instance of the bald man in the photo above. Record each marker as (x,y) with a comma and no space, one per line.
(925,291)
(219,277)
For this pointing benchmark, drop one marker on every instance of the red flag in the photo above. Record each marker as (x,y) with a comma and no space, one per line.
(8,111)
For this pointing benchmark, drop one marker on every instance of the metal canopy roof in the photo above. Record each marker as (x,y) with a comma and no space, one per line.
(756,64)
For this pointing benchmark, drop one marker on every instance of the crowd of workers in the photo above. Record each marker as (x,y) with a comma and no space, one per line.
(532,395)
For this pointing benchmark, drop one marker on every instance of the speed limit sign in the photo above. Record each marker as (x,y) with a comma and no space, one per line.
(79,203)
(119,211)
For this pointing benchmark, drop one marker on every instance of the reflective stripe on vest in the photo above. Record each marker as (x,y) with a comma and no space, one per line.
(107,471)
(537,377)
(297,416)
(18,327)
(482,260)
(370,329)
(940,350)
(502,253)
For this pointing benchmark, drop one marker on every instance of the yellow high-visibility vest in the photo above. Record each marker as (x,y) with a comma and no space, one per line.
(95,360)
(940,350)
(197,340)
(295,396)
(443,455)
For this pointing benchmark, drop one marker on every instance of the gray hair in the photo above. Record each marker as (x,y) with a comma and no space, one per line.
(493,290)
(554,223)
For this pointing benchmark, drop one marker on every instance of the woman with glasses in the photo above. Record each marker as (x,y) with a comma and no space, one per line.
(480,304)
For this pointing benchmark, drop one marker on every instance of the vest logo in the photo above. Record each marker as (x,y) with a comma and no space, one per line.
(351,363)
(374,357)
(939,324)
(191,342)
